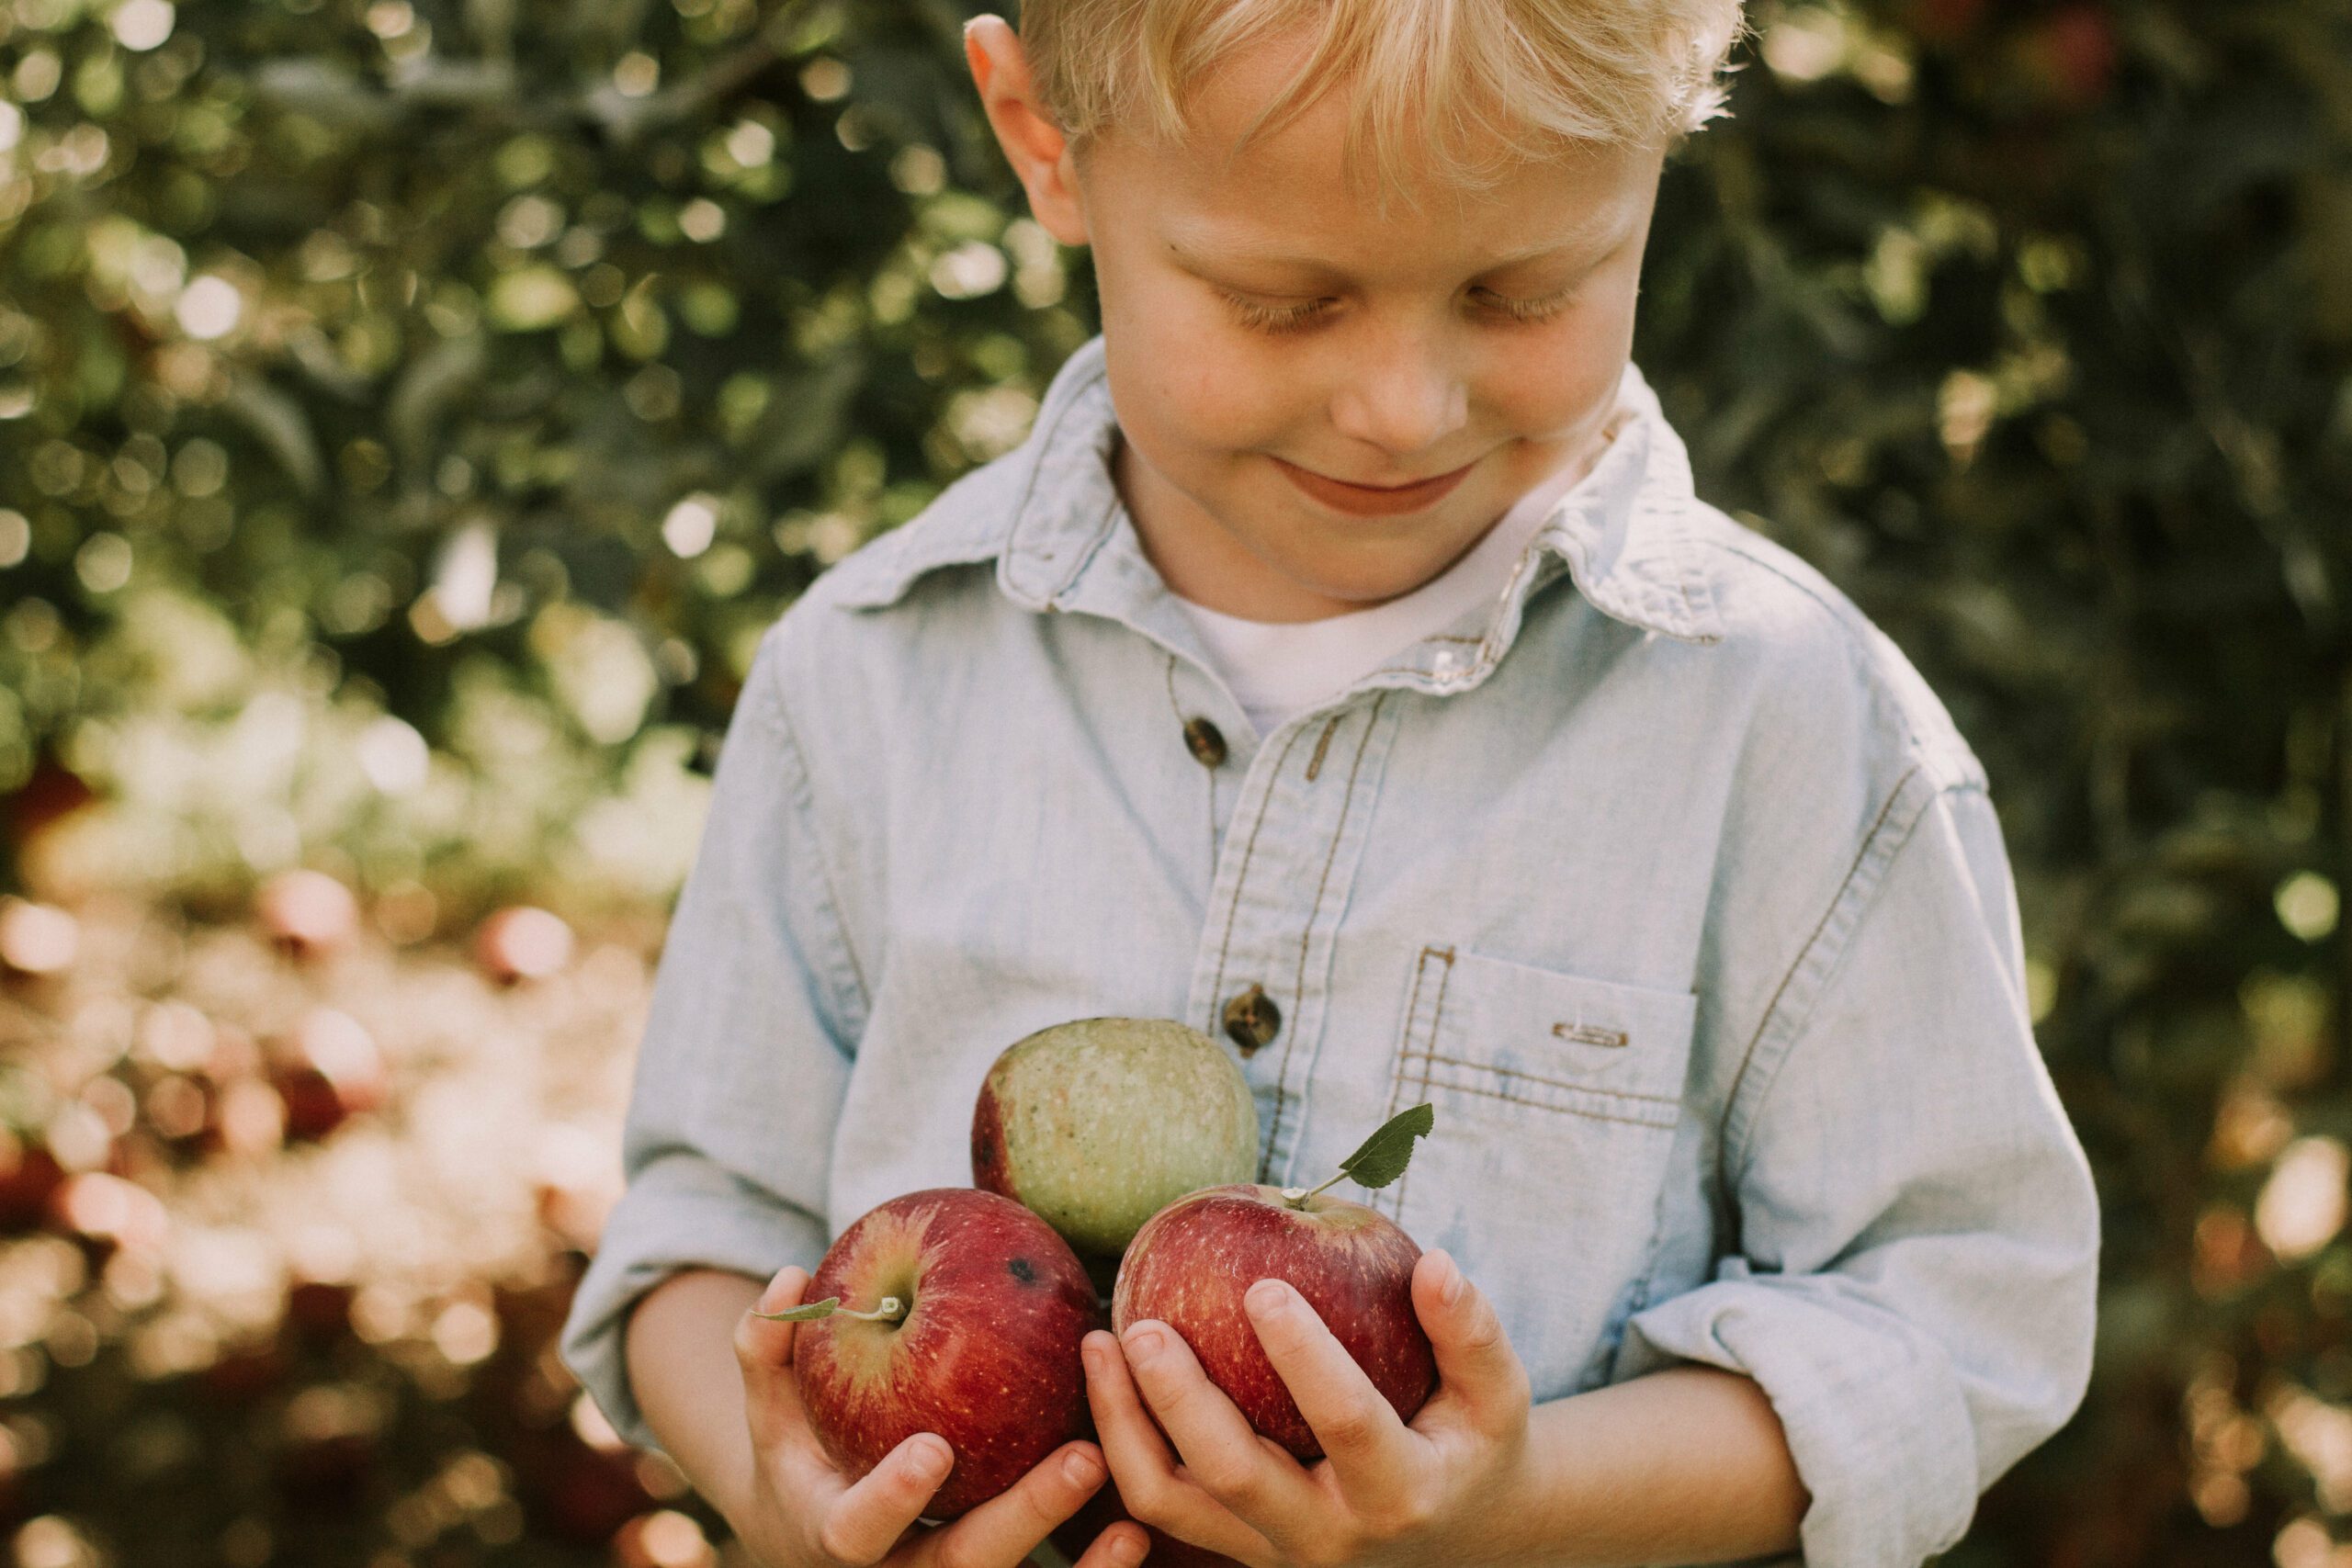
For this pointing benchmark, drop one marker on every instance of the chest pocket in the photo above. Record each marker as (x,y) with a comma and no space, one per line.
(1556,1098)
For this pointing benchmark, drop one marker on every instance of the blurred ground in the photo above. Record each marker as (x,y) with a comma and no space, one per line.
(292,1211)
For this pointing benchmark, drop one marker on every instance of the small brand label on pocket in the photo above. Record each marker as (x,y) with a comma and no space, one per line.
(1589,1034)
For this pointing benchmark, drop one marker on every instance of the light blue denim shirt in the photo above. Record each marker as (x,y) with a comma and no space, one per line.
(1664,876)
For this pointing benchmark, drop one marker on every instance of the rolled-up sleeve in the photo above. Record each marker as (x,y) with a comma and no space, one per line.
(1914,1279)
(744,1061)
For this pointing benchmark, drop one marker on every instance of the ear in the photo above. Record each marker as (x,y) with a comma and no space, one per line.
(1040,154)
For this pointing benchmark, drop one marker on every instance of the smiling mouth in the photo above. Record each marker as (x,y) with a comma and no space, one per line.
(1409,484)
(1372,500)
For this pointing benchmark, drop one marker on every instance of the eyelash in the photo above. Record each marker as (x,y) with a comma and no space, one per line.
(1257,316)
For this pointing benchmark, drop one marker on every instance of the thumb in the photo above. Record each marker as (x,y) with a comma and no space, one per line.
(762,1340)
(1476,1367)
(764,1350)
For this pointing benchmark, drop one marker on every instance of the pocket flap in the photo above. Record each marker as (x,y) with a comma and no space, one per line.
(1487,1026)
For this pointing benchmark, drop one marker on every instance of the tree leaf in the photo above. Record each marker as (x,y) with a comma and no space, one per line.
(1384,1155)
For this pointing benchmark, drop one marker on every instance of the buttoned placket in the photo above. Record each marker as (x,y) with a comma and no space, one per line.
(1261,972)
(1288,816)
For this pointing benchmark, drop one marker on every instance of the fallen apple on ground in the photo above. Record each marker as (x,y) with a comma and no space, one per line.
(948,1311)
(1097,1124)
(1193,1261)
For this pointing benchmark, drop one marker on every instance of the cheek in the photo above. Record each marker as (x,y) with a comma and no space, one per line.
(1199,402)
(1548,380)
(1183,373)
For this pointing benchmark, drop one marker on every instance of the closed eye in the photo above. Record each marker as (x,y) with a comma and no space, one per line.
(1289,316)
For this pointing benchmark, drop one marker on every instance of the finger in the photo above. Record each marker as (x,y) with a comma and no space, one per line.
(763,1351)
(1371,1452)
(1151,1487)
(1254,1477)
(1478,1371)
(1122,1545)
(1131,1444)
(1002,1531)
(865,1521)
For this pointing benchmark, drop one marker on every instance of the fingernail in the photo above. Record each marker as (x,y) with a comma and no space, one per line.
(1145,1343)
(930,1459)
(1126,1551)
(1450,1282)
(1081,1470)
(1269,1298)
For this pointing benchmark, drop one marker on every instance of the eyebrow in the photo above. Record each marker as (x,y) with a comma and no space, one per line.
(1202,241)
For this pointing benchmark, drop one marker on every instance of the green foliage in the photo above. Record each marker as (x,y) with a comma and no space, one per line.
(487,376)
(451,362)
(1382,1158)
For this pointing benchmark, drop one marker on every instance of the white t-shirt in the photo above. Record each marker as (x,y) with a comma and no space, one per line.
(1277,668)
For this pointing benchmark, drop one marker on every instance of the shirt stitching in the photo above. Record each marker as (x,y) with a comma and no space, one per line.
(1886,840)
(1686,571)
(1104,529)
(1020,513)
(1541,1105)
(1437,1012)
(1322,746)
(1856,647)
(1242,876)
(1771,1008)
(1314,908)
(804,805)
(1405,1039)
(1556,1083)
(1176,706)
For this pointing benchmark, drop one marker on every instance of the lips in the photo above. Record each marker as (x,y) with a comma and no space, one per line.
(1373,501)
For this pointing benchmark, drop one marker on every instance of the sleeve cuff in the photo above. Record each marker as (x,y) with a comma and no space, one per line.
(1872,1410)
(679,1212)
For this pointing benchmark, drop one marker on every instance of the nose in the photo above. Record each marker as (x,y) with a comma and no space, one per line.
(1403,395)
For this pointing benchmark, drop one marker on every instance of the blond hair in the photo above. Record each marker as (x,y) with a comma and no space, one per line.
(1540,77)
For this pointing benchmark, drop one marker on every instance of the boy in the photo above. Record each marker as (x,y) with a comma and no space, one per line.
(1344,666)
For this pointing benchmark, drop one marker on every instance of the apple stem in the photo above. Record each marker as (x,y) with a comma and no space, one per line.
(1296,1197)
(890,1310)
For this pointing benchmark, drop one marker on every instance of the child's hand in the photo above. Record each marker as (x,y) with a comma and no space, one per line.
(801,1512)
(1385,1492)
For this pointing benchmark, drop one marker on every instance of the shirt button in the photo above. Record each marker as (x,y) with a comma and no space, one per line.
(1251,1020)
(1205,742)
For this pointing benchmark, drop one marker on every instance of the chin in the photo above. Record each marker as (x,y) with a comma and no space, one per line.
(1374,581)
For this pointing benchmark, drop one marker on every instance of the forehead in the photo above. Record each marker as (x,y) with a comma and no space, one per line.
(1299,192)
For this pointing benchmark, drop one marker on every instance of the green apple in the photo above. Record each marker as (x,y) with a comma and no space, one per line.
(1098,1124)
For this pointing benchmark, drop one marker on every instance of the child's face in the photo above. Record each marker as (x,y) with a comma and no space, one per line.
(1395,355)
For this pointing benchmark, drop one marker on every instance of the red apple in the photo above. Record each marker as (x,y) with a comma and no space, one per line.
(522,943)
(1191,1264)
(960,1312)
(30,1174)
(307,913)
(328,1069)
(51,794)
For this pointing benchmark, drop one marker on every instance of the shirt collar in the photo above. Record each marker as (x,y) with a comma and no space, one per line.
(1044,512)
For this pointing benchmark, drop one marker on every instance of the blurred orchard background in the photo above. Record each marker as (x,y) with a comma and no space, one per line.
(412,410)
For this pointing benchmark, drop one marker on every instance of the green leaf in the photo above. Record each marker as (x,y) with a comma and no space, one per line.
(807,1311)
(1384,1155)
